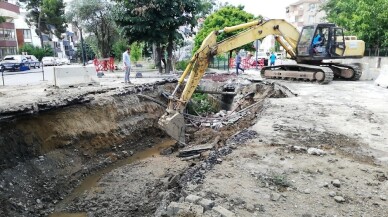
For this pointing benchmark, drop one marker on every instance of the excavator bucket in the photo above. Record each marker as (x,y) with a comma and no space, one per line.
(174,125)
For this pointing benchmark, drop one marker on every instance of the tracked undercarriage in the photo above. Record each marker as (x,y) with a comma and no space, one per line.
(322,74)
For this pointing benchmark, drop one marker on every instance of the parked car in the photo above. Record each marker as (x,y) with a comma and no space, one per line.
(50,61)
(32,61)
(64,61)
(19,62)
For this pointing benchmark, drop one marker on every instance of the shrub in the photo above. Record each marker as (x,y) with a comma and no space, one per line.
(200,105)
(38,52)
(118,48)
(181,65)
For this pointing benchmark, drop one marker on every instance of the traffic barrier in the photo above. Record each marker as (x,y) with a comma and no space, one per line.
(104,64)
(70,76)
(382,79)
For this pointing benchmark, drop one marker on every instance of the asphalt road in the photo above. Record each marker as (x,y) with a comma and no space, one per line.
(32,76)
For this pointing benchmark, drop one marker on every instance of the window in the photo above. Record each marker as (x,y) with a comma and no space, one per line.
(311,7)
(4,51)
(7,34)
(311,19)
(27,34)
(306,35)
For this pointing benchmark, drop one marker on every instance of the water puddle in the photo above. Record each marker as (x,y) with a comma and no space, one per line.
(92,180)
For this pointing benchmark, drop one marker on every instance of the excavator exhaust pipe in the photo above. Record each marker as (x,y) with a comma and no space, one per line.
(174,125)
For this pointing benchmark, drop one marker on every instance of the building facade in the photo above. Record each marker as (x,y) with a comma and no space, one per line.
(305,12)
(8,39)
(63,47)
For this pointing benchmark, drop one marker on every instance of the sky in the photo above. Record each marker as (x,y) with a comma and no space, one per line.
(273,9)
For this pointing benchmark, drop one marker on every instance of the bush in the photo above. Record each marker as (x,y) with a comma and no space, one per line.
(181,65)
(119,47)
(38,52)
(136,51)
(200,105)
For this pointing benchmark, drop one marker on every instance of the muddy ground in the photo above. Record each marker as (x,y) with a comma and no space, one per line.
(264,164)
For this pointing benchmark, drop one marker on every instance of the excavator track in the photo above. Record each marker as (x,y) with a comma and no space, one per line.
(320,74)
(355,74)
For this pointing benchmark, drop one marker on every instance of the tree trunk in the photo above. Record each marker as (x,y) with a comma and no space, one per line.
(39,30)
(169,53)
(154,55)
(158,58)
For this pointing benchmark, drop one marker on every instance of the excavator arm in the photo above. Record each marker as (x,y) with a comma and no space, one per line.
(287,35)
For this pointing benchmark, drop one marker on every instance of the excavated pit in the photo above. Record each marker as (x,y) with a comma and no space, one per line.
(46,155)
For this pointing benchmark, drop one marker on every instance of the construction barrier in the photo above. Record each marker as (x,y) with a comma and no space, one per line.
(247,63)
(104,64)
(382,79)
(71,76)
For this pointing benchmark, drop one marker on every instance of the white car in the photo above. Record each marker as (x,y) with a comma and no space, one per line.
(50,61)
(64,61)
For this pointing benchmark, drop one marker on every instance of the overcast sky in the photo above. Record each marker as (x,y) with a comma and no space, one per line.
(273,9)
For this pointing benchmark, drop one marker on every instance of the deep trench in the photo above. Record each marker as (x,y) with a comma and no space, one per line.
(45,156)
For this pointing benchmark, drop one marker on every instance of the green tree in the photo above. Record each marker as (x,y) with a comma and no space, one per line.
(38,52)
(47,16)
(367,19)
(206,7)
(119,47)
(156,21)
(136,50)
(92,43)
(89,53)
(226,16)
(95,16)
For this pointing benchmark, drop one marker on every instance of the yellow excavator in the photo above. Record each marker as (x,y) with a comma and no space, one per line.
(315,43)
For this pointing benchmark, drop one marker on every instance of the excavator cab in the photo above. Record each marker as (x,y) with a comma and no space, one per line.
(321,41)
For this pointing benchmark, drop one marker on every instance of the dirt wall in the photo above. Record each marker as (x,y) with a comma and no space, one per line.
(43,156)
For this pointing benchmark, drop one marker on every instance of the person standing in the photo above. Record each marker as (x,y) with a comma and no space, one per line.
(272,59)
(238,62)
(127,64)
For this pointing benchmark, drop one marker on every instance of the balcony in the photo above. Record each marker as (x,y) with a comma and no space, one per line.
(9,10)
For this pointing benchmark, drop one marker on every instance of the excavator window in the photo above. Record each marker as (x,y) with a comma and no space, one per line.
(305,41)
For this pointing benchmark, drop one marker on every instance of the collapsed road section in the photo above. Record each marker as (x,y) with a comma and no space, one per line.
(51,147)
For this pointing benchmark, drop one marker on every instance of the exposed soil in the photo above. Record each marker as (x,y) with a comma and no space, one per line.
(46,154)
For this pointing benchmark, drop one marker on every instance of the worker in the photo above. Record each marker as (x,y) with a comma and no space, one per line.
(317,40)
(272,59)
(238,62)
(127,65)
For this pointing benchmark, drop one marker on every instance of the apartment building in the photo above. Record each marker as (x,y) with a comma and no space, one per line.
(305,12)
(8,41)
(63,47)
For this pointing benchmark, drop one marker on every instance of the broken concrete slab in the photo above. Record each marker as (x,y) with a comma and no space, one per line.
(191,157)
(178,209)
(194,150)
(192,198)
(223,212)
(206,203)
